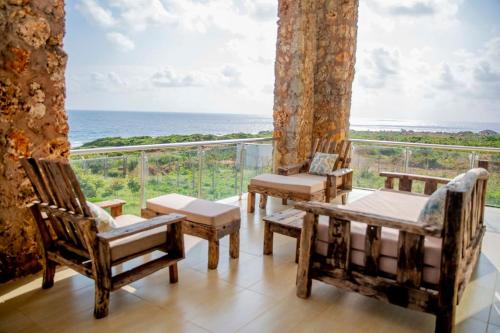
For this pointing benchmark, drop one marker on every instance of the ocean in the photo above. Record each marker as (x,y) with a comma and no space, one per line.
(86,126)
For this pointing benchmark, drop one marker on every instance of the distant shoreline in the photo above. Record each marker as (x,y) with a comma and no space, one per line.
(486,138)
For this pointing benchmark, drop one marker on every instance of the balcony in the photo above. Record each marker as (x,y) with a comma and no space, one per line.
(255,293)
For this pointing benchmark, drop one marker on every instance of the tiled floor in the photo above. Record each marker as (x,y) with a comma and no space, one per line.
(253,294)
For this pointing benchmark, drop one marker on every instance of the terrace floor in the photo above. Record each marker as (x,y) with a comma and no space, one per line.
(253,294)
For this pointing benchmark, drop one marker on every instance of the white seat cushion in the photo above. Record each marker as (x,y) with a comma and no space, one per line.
(196,210)
(142,241)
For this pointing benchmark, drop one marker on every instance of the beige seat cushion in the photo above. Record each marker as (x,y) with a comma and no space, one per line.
(142,241)
(398,205)
(196,210)
(295,184)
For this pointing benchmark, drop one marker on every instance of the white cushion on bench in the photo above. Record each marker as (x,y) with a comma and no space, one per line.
(196,210)
(301,183)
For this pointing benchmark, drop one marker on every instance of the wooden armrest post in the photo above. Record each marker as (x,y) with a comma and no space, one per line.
(115,206)
(307,237)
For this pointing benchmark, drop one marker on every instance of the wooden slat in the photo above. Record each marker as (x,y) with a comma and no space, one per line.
(40,172)
(70,190)
(51,183)
(68,172)
(339,244)
(373,243)
(411,176)
(36,181)
(410,259)
(405,184)
(61,187)
(137,273)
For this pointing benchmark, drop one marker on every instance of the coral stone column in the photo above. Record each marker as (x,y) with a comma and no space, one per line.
(32,118)
(334,74)
(294,75)
(314,70)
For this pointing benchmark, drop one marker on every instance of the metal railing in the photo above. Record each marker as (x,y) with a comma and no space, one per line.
(197,167)
(210,168)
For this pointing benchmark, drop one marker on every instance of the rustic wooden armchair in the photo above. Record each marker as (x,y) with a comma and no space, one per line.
(388,254)
(68,234)
(294,181)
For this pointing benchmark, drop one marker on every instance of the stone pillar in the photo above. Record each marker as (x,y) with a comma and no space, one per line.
(314,70)
(294,73)
(32,120)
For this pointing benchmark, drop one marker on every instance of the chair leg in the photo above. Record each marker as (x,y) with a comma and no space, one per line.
(263,201)
(251,202)
(284,201)
(234,245)
(297,248)
(213,253)
(268,239)
(101,302)
(445,321)
(173,273)
(48,274)
(345,197)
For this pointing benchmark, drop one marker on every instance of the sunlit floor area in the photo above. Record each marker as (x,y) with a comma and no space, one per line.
(255,293)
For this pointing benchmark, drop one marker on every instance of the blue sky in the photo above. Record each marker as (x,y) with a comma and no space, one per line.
(416,59)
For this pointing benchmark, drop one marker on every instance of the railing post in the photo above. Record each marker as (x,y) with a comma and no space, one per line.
(142,178)
(472,159)
(242,169)
(200,169)
(407,159)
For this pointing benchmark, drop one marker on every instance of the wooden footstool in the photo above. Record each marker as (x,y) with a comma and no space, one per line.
(288,223)
(205,219)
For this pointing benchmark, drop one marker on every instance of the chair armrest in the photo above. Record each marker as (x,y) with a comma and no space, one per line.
(111,203)
(410,176)
(114,205)
(340,172)
(135,228)
(338,212)
(291,169)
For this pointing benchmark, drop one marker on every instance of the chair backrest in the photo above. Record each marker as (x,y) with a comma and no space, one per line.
(342,148)
(63,202)
(464,227)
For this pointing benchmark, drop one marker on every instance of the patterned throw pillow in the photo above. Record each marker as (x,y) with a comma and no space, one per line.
(433,212)
(104,221)
(323,163)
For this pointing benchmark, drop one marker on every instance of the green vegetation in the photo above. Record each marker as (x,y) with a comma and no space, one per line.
(177,170)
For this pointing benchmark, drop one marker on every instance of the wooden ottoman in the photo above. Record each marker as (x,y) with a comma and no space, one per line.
(205,219)
(288,223)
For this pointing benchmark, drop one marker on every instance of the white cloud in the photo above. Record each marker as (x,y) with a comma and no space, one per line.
(121,41)
(98,14)
(169,78)
(377,67)
(139,14)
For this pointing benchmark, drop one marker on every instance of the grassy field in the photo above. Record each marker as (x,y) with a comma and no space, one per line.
(177,170)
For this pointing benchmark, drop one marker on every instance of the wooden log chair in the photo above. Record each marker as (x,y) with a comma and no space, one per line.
(389,254)
(68,234)
(294,182)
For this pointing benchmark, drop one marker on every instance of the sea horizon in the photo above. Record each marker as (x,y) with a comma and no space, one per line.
(89,125)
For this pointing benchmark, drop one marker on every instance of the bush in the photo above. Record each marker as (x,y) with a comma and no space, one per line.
(133,185)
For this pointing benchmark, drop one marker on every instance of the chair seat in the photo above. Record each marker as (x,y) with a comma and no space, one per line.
(404,206)
(303,183)
(137,243)
(196,210)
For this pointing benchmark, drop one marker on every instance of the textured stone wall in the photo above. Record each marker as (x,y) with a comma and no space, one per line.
(314,70)
(32,119)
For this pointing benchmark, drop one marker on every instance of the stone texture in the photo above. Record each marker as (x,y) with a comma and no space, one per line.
(315,60)
(32,120)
